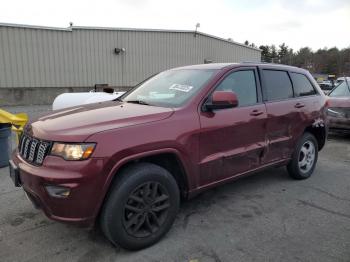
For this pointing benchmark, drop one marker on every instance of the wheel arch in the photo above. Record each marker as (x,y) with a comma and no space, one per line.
(169,159)
(320,133)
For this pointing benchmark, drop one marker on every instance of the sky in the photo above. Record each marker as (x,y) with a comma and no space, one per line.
(313,23)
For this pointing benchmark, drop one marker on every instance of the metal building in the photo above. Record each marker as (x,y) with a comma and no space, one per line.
(49,60)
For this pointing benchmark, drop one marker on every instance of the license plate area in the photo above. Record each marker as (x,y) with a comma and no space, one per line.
(14,174)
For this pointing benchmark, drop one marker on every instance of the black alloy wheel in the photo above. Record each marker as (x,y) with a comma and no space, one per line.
(141,206)
(146,209)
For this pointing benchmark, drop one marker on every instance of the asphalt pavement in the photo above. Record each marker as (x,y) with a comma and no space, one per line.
(264,217)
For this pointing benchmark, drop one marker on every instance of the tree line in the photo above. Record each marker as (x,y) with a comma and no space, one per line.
(324,61)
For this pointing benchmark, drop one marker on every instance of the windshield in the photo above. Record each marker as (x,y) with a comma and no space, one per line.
(170,88)
(341,90)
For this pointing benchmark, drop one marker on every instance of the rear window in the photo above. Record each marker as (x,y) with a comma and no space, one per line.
(302,85)
(277,85)
(341,90)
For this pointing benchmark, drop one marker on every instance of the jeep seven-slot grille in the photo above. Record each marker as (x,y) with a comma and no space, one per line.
(33,150)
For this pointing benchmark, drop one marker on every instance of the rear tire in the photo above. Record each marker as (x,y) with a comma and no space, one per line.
(141,206)
(304,158)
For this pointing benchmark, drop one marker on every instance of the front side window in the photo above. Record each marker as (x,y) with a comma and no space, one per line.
(341,90)
(277,85)
(302,85)
(243,84)
(170,88)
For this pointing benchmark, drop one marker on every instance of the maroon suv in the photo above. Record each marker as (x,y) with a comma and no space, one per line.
(126,163)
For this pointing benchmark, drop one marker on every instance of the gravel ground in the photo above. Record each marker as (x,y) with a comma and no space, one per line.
(264,217)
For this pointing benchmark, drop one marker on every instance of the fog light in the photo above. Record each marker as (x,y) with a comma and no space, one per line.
(58,191)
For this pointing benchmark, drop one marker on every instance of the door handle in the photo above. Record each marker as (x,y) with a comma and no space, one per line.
(256,112)
(299,105)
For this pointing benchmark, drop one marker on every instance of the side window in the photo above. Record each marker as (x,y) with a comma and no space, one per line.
(277,85)
(302,85)
(243,84)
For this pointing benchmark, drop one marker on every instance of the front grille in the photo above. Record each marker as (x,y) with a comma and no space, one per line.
(33,150)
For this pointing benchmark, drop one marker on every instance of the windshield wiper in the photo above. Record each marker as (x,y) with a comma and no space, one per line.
(140,102)
(118,99)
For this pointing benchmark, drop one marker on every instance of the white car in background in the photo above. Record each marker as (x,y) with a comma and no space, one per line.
(326,86)
(75,99)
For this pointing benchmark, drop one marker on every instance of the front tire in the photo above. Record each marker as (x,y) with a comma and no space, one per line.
(141,206)
(304,158)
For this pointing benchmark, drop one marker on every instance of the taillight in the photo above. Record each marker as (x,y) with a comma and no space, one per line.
(327,103)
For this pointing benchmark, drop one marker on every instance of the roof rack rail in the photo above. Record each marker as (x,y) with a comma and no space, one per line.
(254,62)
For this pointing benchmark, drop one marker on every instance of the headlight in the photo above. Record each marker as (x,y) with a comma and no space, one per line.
(335,112)
(73,151)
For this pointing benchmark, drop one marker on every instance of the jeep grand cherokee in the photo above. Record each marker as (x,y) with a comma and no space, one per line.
(127,163)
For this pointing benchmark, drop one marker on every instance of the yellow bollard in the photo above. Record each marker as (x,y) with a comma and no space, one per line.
(17,121)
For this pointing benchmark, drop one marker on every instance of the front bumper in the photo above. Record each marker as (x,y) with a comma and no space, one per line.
(85,179)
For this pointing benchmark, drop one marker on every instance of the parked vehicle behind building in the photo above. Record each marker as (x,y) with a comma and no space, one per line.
(125,164)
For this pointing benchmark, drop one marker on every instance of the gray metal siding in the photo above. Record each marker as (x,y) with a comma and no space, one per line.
(34,57)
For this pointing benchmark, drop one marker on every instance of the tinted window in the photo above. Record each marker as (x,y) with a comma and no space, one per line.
(302,85)
(278,85)
(341,90)
(243,84)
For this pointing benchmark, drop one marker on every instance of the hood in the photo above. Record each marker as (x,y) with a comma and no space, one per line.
(75,124)
(339,102)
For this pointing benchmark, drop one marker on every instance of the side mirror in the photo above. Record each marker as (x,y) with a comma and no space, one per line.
(222,100)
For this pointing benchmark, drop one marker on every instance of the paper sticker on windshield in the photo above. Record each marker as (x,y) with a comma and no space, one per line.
(183,88)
